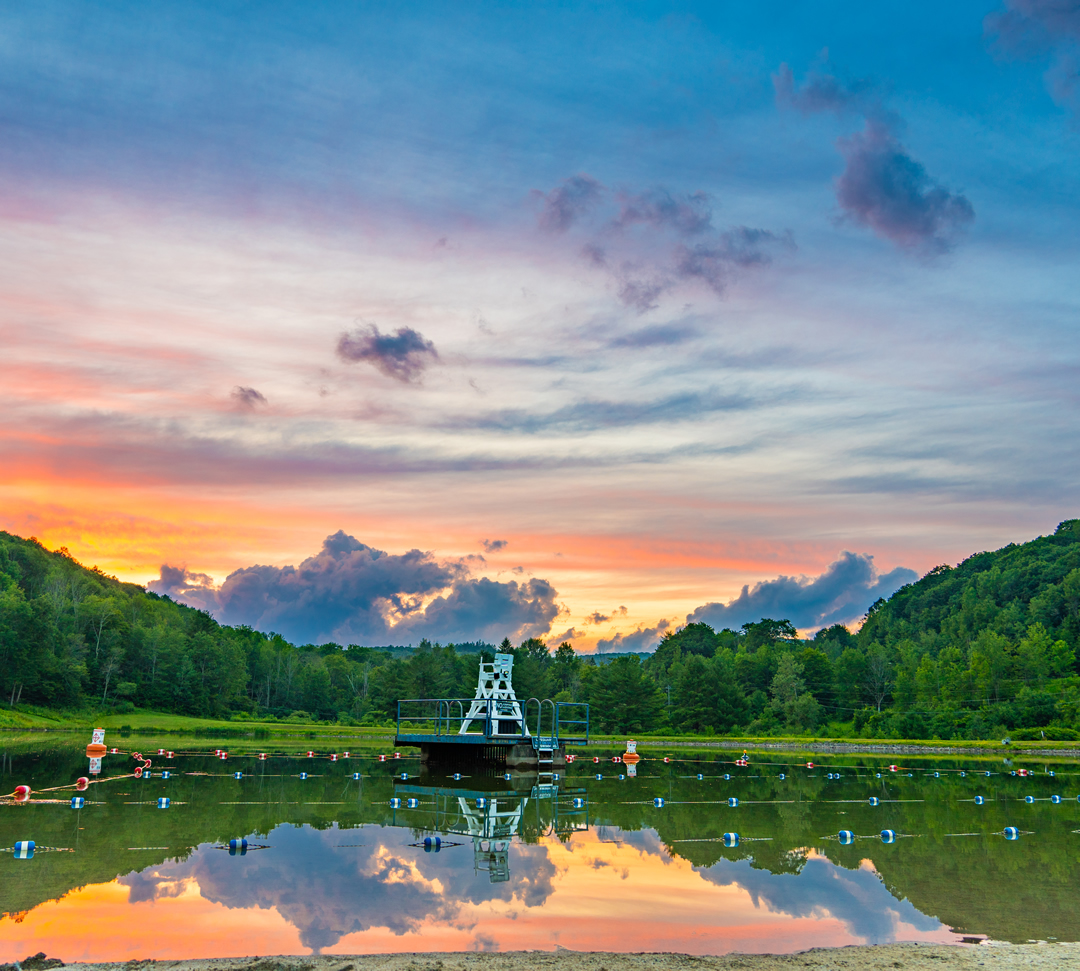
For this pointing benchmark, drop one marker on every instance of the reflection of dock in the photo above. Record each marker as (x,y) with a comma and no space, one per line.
(494,725)
(493,818)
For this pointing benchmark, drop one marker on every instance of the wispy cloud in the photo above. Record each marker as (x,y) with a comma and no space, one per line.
(567,203)
(494,545)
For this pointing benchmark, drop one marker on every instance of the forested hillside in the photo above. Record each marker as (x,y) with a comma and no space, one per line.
(982,650)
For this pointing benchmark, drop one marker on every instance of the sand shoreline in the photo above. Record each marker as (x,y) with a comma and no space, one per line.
(914,957)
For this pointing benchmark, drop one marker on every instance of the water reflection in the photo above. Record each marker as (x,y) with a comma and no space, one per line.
(352,862)
(490,818)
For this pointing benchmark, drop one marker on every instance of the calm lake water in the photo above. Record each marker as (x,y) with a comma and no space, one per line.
(334,863)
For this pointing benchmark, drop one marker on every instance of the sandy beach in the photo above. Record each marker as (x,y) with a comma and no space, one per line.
(916,957)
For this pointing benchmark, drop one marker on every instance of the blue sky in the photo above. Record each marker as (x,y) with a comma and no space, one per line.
(674,298)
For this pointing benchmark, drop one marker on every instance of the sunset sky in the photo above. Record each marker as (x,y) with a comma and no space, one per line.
(585,315)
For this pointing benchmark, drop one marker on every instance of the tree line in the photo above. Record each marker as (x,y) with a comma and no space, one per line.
(981,650)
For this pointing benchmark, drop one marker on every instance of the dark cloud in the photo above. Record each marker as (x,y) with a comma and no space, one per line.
(884,188)
(566,203)
(352,593)
(841,594)
(247,397)
(597,618)
(687,215)
(642,639)
(589,415)
(1032,28)
(493,545)
(857,898)
(822,92)
(402,355)
(326,893)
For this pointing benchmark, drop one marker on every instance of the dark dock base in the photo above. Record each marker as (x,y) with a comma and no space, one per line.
(519,756)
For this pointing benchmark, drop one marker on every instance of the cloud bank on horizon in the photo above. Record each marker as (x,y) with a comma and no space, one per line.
(661,300)
(350,593)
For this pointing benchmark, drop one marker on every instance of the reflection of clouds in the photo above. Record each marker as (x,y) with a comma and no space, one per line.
(856,897)
(328,892)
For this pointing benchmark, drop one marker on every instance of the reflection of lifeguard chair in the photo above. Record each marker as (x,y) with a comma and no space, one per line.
(495,701)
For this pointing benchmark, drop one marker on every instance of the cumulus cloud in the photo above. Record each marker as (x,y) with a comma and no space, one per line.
(247,397)
(567,203)
(493,545)
(402,355)
(882,187)
(641,639)
(326,894)
(597,618)
(179,583)
(857,898)
(351,593)
(841,594)
(1033,28)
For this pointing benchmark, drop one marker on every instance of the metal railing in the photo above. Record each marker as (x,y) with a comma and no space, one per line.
(443,717)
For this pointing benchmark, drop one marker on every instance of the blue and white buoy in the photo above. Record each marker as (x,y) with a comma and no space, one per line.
(700,777)
(658,802)
(846,836)
(432,844)
(731,839)
(24,850)
(1029,799)
(874,800)
(888,836)
(481,803)
(356,776)
(733,802)
(782,777)
(579,803)
(457,776)
(77,802)
(404,776)
(1011,833)
(238,847)
(507,777)
(979,800)
(727,776)
(412,802)
(1055,800)
(166,775)
(238,775)
(163,802)
(395,803)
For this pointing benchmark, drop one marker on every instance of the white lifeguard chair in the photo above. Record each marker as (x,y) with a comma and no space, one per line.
(495,697)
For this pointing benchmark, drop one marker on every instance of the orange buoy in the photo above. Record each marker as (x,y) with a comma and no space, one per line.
(81,783)
(95,750)
(22,793)
(630,756)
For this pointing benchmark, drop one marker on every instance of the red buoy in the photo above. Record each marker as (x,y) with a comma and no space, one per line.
(81,783)
(22,793)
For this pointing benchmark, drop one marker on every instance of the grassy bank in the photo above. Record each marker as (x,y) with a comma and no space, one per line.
(142,722)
